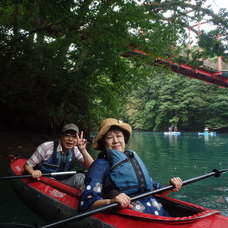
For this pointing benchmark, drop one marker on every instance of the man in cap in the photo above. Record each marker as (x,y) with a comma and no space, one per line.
(59,156)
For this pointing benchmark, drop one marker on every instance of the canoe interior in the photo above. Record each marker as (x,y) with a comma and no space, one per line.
(179,210)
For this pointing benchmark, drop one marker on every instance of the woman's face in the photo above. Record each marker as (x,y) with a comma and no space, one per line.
(114,139)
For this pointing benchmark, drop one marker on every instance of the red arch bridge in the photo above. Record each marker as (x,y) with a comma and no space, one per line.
(207,74)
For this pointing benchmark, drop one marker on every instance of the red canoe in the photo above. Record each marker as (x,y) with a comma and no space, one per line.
(53,200)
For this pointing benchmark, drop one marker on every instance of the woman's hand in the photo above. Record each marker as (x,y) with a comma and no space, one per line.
(81,142)
(123,200)
(177,183)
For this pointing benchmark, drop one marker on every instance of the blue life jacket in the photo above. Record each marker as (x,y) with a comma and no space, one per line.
(128,172)
(58,162)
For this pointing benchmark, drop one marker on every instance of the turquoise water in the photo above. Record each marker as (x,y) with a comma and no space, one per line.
(187,155)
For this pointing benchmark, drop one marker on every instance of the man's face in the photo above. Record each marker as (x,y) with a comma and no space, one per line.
(68,140)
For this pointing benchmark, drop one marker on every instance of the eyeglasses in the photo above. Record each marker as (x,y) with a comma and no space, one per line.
(68,135)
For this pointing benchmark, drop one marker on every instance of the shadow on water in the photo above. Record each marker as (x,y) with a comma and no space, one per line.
(12,208)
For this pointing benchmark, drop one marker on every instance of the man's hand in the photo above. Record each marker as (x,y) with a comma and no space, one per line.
(81,142)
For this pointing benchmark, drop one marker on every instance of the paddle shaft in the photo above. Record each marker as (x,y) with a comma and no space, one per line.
(44,174)
(113,205)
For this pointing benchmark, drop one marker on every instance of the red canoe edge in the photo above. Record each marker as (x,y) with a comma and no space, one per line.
(64,199)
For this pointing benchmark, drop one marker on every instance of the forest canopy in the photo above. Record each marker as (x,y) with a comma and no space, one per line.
(68,60)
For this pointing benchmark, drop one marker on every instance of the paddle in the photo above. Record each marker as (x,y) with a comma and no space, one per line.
(215,173)
(44,174)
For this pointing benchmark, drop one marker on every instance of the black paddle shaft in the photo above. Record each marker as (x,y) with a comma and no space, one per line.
(44,174)
(215,173)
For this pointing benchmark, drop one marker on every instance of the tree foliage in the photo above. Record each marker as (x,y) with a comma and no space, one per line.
(65,60)
(171,100)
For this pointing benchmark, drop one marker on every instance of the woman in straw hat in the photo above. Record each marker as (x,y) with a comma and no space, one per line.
(118,173)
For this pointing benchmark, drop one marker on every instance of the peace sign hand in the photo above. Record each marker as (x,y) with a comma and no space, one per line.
(81,142)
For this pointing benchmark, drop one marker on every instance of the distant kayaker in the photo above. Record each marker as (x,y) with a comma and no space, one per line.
(170,129)
(60,155)
(118,173)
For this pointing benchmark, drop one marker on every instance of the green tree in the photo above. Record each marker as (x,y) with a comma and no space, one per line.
(65,60)
(171,100)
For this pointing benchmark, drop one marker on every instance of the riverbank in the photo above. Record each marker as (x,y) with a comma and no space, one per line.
(24,143)
(21,143)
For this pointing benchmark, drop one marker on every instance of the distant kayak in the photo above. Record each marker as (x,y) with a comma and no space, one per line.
(207,133)
(172,133)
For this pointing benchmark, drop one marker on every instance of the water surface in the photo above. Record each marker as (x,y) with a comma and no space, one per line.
(187,156)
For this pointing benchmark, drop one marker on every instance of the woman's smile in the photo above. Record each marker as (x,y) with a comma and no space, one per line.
(115,140)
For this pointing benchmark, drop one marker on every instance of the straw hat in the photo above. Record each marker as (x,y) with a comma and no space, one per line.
(105,126)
